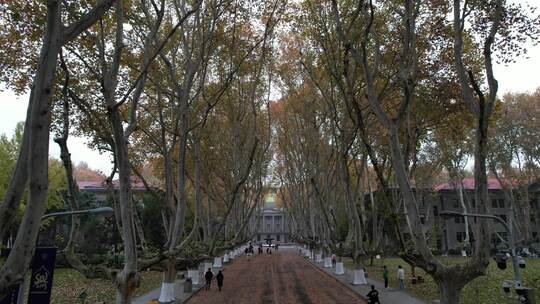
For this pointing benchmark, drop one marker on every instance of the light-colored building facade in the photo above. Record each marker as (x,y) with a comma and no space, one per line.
(271,222)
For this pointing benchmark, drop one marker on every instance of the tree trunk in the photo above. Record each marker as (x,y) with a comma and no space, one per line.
(449,292)
(17,263)
(71,199)
(355,225)
(128,279)
(464,207)
(198,195)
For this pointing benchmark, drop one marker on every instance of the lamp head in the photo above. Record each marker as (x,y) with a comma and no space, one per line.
(521,262)
(506,286)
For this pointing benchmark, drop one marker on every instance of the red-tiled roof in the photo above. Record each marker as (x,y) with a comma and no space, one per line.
(468,184)
(136,184)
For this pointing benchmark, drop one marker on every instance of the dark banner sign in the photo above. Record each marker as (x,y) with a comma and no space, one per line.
(42,276)
(11,298)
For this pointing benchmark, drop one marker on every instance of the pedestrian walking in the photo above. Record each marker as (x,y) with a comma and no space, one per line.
(333,260)
(373,296)
(208,276)
(249,253)
(401,277)
(385,276)
(219,279)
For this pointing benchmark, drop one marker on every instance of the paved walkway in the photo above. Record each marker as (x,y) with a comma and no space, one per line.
(285,277)
(389,295)
(282,277)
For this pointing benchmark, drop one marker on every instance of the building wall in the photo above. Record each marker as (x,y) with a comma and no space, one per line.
(271,223)
(452,229)
(447,233)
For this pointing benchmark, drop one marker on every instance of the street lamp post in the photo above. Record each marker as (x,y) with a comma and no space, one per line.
(46,260)
(507,226)
(524,297)
(78,212)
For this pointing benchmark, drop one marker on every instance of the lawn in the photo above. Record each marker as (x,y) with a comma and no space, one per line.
(68,284)
(482,290)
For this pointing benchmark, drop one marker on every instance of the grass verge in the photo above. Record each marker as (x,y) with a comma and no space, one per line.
(68,284)
(483,290)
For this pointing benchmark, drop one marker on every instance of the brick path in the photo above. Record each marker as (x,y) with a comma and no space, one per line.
(283,277)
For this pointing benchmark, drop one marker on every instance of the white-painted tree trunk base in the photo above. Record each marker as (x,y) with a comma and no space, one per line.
(311,255)
(339,268)
(359,277)
(328,262)
(194,275)
(167,293)
(217,262)
(318,258)
(463,253)
(226,258)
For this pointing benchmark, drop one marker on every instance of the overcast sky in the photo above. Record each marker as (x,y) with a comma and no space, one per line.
(516,77)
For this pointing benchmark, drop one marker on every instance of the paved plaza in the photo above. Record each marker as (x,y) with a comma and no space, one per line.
(282,277)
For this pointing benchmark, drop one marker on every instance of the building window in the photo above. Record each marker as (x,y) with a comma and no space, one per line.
(502,216)
(278,237)
(435,211)
(473,203)
(460,236)
(497,203)
(456,204)
(258,237)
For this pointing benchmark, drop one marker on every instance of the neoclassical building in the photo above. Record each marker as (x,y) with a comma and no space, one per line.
(271,222)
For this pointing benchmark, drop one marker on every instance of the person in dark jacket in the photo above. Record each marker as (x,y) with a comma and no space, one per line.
(373,296)
(219,278)
(208,276)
